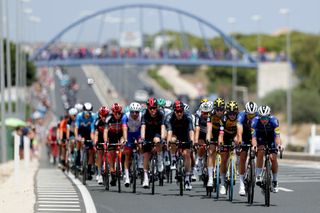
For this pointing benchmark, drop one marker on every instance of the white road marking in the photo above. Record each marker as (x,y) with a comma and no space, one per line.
(57,193)
(285,189)
(59,196)
(57,210)
(61,202)
(58,206)
(54,198)
(87,199)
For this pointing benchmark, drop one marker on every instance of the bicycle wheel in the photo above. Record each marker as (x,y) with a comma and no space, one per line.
(231,173)
(106,176)
(217,174)
(152,175)
(134,172)
(84,168)
(251,181)
(180,176)
(267,179)
(118,173)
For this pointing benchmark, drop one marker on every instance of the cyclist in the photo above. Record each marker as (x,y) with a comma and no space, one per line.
(179,126)
(63,140)
(201,133)
(161,102)
(131,126)
(70,128)
(168,107)
(84,132)
(227,135)
(265,129)
(114,135)
(213,127)
(152,130)
(244,135)
(100,138)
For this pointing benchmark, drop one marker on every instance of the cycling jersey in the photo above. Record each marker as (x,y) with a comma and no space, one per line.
(216,124)
(114,128)
(246,124)
(99,125)
(85,126)
(153,124)
(63,128)
(134,127)
(265,133)
(201,122)
(167,111)
(230,129)
(180,128)
(70,125)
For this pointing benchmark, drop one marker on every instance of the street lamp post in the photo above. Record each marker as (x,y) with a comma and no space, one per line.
(232,21)
(8,55)
(285,12)
(2,87)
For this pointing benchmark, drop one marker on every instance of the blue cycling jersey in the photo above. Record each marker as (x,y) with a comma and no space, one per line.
(265,133)
(85,126)
(246,124)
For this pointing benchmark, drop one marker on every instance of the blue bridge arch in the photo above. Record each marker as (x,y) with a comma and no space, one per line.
(247,60)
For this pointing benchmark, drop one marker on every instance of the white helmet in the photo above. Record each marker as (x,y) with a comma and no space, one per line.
(251,107)
(79,107)
(168,104)
(206,106)
(186,107)
(87,107)
(73,111)
(134,106)
(264,110)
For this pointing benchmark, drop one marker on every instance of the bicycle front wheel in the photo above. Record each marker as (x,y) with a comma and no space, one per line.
(217,178)
(84,168)
(118,171)
(134,173)
(267,180)
(180,176)
(251,181)
(232,178)
(152,176)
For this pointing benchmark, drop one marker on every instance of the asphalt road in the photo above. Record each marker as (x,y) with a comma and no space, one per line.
(299,193)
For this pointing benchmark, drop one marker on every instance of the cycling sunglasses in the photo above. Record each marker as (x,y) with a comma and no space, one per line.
(178,111)
(134,112)
(152,108)
(232,113)
(264,118)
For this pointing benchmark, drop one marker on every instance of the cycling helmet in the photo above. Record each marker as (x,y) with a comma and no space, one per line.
(203,100)
(103,111)
(168,104)
(232,106)
(178,106)
(206,106)
(264,111)
(73,111)
(161,102)
(79,107)
(134,106)
(219,103)
(116,108)
(152,102)
(251,107)
(87,107)
(186,107)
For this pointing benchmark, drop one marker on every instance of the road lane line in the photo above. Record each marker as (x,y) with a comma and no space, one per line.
(59,206)
(285,189)
(87,199)
(55,198)
(60,202)
(57,210)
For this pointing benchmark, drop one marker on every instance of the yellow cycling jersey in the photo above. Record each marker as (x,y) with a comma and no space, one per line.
(229,126)
(216,124)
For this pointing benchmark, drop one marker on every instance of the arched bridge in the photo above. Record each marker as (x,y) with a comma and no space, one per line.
(164,46)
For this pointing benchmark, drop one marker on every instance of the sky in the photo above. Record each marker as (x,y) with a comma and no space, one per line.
(55,15)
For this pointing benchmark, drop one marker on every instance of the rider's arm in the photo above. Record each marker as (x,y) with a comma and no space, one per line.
(253,132)
(190,127)
(95,139)
(169,128)
(163,127)
(239,133)
(76,126)
(197,130)
(143,127)
(124,122)
(209,129)
(221,133)
(275,123)
(68,131)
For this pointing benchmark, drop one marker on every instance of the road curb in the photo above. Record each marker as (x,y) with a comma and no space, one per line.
(300,156)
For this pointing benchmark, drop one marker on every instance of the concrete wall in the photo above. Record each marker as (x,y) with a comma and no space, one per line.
(272,76)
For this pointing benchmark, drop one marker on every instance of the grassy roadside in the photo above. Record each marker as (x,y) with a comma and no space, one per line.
(153,73)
